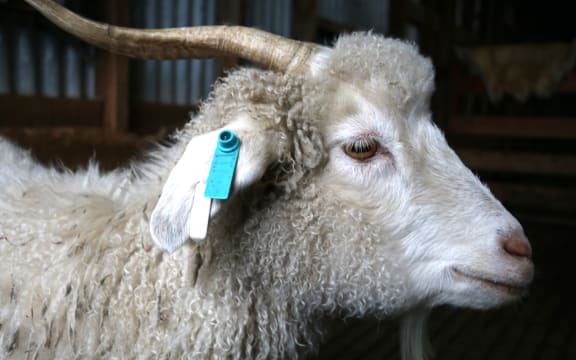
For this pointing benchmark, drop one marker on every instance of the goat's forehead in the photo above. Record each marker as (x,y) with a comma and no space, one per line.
(355,113)
(391,104)
(376,62)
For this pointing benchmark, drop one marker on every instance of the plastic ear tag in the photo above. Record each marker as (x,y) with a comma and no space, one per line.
(200,214)
(217,186)
(223,165)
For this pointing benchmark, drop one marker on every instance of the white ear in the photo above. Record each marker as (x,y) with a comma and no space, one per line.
(170,220)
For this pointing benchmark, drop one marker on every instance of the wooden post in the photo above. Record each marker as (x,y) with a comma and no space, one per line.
(112,73)
(443,54)
(305,20)
(229,12)
(397,16)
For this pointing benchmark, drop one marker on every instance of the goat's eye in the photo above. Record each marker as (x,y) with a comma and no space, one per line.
(361,149)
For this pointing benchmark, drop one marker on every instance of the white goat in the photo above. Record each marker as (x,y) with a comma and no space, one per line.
(346,200)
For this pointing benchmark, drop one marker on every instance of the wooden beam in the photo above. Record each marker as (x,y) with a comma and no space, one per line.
(513,126)
(74,147)
(145,117)
(112,73)
(17,110)
(536,198)
(519,162)
(468,84)
(532,220)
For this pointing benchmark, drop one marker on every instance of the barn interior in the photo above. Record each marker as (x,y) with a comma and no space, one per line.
(506,99)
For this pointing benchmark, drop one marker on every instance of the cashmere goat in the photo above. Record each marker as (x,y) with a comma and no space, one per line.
(346,201)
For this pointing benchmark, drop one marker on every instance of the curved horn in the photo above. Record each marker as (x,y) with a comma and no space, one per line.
(272,51)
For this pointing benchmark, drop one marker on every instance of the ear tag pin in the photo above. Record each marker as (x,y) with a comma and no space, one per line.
(217,186)
(223,165)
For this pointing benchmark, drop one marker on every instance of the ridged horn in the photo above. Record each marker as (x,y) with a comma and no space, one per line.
(269,50)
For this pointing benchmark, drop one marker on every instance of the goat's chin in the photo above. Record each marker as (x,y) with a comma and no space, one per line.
(479,299)
(482,291)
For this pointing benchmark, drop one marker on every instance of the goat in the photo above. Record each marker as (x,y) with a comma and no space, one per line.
(346,200)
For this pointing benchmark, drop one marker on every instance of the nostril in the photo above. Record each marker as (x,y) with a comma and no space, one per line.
(517,246)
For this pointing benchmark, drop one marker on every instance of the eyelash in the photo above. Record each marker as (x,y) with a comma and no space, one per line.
(362,149)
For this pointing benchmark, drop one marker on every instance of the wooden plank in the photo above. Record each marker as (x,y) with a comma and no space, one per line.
(515,162)
(74,147)
(44,111)
(545,199)
(472,84)
(112,73)
(513,126)
(145,117)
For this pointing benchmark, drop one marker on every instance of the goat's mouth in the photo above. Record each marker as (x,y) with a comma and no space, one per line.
(511,289)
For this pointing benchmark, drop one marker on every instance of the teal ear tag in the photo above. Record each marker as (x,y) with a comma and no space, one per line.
(223,165)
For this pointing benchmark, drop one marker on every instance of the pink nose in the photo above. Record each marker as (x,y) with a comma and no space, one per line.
(517,245)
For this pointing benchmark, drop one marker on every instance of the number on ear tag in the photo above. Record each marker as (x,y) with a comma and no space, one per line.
(223,165)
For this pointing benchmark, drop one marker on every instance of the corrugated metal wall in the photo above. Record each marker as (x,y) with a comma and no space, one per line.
(180,82)
(34,60)
(46,65)
(186,82)
(37,59)
(273,16)
(4,84)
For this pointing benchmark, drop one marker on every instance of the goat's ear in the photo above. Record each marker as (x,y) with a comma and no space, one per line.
(170,220)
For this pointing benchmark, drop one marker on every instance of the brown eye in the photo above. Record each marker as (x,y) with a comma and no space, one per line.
(361,149)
